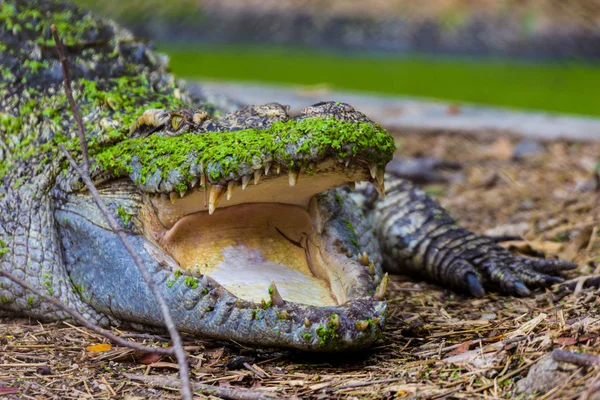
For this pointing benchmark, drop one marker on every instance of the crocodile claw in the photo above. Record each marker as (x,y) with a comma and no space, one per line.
(510,274)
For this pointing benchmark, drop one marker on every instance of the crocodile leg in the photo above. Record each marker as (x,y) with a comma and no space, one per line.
(420,237)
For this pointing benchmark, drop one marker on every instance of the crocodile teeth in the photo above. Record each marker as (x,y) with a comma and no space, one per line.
(230,186)
(182,193)
(380,188)
(276,298)
(267,167)
(278,168)
(173,197)
(379,176)
(382,288)
(257,175)
(216,192)
(202,180)
(194,182)
(361,326)
(293,175)
(364,259)
(373,169)
(352,185)
(245,180)
(346,162)
(307,322)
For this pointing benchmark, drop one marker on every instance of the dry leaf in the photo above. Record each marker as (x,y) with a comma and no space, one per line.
(149,358)
(99,348)
(461,349)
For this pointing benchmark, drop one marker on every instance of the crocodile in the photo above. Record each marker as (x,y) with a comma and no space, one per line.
(257,226)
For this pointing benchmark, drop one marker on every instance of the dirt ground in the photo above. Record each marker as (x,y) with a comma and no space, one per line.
(437,344)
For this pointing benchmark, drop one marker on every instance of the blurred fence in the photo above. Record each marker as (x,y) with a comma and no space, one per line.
(547,29)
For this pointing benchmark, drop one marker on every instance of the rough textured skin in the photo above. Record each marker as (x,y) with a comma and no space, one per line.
(53,236)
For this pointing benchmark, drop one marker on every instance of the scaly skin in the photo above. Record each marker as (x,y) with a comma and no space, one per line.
(149,139)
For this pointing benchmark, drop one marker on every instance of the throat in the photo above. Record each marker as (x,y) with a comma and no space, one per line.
(247,247)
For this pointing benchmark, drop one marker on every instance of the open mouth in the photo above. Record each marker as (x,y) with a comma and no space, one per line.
(257,219)
(269,233)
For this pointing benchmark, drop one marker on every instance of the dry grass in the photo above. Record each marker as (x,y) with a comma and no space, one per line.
(493,341)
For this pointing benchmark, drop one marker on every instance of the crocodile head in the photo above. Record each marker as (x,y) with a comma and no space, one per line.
(242,221)
(237,218)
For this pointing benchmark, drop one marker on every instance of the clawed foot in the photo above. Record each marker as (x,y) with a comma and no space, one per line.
(513,275)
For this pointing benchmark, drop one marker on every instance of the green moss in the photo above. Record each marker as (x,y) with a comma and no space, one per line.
(124,215)
(3,248)
(191,282)
(30,300)
(328,334)
(339,199)
(5,300)
(226,155)
(307,336)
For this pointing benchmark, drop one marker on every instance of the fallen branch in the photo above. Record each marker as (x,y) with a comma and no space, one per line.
(579,359)
(226,393)
(84,174)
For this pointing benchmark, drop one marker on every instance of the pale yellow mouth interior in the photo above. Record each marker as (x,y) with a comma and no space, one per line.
(247,247)
(268,233)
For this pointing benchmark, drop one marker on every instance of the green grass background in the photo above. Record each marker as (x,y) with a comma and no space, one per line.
(566,87)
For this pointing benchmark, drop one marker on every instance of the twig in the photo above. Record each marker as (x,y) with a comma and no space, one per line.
(186,391)
(369,383)
(226,393)
(579,359)
(69,93)
(81,319)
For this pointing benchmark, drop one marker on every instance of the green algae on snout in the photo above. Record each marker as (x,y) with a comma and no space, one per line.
(229,155)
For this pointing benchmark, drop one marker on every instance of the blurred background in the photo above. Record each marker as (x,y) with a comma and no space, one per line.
(528,54)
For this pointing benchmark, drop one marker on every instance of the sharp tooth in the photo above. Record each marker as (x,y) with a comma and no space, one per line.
(194,182)
(267,167)
(361,325)
(373,169)
(346,162)
(202,180)
(372,268)
(230,186)
(380,188)
(204,281)
(278,168)
(276,298)
(307,322)
(293,175)
(182,193)
(173,197)
(364,258)
(257,175)
(380,175)
(382,288)
(216,192)
(245,180)
(352,185)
